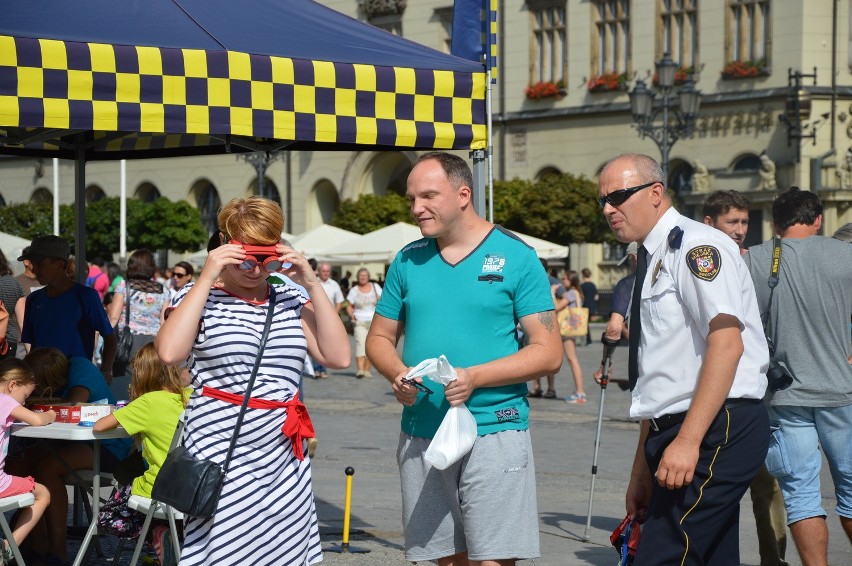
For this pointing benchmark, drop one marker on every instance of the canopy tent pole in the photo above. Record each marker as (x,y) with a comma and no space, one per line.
(479,172)
(122,214)
(55,196)
(489,145)
(81,268)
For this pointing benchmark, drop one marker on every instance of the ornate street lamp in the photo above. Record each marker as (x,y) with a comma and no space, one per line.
(678,120)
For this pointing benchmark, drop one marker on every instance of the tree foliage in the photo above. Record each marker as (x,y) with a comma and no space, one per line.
(559,208)
(161,224)
(371,212)
(507,200)
(164,224)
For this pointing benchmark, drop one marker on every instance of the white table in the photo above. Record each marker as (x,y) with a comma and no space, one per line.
(68,431)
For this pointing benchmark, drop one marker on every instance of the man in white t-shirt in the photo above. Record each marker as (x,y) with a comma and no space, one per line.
(335,295)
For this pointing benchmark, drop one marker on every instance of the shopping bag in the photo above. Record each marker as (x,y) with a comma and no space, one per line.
(454,439)
(573,321)
(457,433)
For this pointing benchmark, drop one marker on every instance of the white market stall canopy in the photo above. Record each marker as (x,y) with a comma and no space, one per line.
(382,245)
(315,241)
(544,248)
(12,247)
(378,246)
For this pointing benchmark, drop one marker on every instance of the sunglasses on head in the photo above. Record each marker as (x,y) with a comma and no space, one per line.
(616,198)
(265,256)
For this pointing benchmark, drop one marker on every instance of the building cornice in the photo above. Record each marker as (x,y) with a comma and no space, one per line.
(715,99)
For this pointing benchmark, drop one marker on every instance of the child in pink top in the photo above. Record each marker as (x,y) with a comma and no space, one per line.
(16,384)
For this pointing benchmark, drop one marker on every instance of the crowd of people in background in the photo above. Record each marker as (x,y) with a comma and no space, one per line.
(185,324)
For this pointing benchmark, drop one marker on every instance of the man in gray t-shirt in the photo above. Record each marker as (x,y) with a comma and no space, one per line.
(808,323)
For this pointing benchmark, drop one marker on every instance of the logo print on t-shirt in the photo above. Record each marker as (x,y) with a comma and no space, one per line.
(508,414)
(493,263)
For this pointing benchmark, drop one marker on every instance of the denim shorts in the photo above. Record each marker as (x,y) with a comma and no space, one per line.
(794,457)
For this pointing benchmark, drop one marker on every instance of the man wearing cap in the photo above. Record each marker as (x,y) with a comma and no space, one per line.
(697,368)
(64,314)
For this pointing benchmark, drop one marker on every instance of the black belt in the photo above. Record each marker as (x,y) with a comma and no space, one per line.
(667,421)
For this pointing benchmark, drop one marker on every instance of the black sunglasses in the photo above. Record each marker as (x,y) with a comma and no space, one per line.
(617,198)
(180,274)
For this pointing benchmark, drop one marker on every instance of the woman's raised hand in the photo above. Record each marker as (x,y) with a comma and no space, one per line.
(299,269)
(221,257)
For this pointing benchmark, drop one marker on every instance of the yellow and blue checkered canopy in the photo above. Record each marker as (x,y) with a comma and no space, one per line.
(191,96)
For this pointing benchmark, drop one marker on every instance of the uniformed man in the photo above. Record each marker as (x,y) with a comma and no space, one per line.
(697,367)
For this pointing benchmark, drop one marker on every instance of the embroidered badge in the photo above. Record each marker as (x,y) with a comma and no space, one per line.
(704,262)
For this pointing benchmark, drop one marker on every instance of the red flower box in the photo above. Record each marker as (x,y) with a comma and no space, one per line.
(545,89)
(745,70)
(607,82)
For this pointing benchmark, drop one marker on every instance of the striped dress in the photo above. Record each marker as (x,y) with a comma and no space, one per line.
(266,513)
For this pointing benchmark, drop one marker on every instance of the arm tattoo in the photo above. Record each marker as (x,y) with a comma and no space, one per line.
(547,318)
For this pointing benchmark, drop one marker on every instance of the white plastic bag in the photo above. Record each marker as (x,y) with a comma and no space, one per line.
(457,433)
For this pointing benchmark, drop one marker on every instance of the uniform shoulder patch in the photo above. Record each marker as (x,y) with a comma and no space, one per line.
(704,262)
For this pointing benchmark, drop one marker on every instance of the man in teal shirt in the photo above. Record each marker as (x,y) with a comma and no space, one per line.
(461,291)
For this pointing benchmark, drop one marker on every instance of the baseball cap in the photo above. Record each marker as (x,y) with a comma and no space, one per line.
(632,248)
(47,246)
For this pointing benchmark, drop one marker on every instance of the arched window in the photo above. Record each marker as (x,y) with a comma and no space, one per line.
(269,191)
(387,172)
(208,203)
(147,192)
(680,177)
(42,194)
(322,203)
(94,193)
(547,172)
(746,163)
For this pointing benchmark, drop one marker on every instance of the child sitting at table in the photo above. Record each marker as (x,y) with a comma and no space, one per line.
(16,384)
(157,398)
(49,462)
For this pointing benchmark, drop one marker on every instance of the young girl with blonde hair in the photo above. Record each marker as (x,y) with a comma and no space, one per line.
(157,398)
(16,384)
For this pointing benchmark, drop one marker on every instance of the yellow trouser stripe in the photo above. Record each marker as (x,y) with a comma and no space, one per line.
(701,489)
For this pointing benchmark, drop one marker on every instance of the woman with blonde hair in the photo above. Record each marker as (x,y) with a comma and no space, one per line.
(362,298)
(573,297)
(266,513)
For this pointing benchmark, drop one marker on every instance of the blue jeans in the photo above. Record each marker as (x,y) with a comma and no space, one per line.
(794,457)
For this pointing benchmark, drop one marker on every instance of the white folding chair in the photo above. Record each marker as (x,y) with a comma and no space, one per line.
(151,509)
(10,504)
(156,509)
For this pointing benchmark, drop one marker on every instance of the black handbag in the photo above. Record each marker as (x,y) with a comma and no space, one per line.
(125,338)
(193,486)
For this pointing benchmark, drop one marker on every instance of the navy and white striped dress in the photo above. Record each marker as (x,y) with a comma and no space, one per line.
(266,513)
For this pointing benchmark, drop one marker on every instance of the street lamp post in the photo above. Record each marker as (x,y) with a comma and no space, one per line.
(645,112)
(260,160)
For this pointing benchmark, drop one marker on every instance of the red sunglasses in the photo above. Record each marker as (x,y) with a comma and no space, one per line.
(265,256)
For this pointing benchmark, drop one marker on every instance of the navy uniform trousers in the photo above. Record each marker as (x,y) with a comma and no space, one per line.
(698,524)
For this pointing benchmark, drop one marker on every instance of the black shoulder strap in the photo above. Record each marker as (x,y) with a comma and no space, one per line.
(774,269)
(250,385)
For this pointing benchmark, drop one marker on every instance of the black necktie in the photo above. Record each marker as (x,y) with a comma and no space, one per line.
(635,321)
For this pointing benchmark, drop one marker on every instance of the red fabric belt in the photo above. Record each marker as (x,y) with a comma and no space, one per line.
(297,425)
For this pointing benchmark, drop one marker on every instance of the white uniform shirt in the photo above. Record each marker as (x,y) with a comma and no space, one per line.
(684,290)
(332,289)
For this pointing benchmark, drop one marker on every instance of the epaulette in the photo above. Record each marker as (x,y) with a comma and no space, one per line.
(675,237)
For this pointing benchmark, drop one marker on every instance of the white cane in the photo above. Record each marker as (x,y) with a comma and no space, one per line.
(609,348)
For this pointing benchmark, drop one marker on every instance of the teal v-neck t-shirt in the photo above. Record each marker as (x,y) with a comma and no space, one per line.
(468,312)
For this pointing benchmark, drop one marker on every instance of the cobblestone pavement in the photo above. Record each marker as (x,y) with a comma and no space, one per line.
(357,423)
